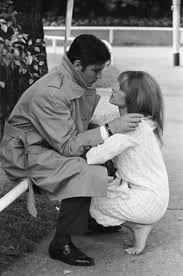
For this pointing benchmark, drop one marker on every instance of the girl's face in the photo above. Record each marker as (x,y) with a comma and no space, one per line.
(118,98)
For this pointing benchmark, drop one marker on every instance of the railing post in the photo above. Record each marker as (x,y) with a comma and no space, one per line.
(111,35)
(176,31)
(54,44)
(68,21)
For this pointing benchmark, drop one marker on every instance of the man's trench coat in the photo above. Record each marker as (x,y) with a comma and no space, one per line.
(54,113)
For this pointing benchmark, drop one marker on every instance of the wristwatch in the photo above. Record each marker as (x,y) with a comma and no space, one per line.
(109,132)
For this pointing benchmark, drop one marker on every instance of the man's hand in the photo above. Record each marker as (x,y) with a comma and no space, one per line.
(125,123)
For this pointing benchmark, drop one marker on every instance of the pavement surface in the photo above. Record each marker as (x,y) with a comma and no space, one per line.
(164,251)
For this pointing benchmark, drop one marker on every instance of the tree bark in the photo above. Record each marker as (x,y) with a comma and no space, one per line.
(30,20)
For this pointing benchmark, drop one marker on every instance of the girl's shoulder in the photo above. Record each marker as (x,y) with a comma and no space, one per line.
(146,127)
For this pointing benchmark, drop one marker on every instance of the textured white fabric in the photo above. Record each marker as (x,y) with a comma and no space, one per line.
(103,133)
(111,147)
(140,191)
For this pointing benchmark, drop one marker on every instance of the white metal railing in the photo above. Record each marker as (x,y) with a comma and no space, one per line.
(13,194)
(54,39)
(111,29)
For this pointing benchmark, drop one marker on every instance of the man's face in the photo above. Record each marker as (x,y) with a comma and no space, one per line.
(91,73)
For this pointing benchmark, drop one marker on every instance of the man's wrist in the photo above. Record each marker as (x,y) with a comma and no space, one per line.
(112,127)
(108,130)
(103,133)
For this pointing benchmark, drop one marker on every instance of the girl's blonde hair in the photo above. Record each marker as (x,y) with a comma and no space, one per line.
(143,95)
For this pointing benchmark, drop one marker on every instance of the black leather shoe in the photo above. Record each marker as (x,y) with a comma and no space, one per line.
(70,254)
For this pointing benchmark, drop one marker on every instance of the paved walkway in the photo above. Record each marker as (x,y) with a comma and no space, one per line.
(164,252)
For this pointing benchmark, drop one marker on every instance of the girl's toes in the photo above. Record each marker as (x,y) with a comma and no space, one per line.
(128,243)
(131,251)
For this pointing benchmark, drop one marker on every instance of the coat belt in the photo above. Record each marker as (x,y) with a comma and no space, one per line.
(21,135)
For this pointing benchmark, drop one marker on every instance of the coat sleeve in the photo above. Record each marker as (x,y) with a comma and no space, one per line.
(112,147)
(54,122)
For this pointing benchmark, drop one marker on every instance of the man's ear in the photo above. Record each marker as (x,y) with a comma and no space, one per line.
(77,65)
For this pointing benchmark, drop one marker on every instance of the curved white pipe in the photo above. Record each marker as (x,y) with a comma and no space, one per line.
(13,194)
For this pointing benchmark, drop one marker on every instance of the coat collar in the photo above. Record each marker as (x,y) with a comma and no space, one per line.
(76,87)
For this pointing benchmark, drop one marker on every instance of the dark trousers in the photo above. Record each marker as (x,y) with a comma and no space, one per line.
(73,219)
(74,215)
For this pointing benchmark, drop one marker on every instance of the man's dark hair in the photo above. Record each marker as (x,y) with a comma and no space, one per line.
(89,50)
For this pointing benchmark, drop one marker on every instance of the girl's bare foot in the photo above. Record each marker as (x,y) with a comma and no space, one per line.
(141,233)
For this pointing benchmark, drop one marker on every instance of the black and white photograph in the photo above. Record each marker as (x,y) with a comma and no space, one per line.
(91,138)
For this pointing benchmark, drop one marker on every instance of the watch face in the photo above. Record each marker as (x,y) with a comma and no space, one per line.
(108,129)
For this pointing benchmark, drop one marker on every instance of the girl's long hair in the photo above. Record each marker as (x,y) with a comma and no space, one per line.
(143,95)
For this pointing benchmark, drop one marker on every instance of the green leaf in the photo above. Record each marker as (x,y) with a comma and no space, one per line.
(12,65)
(14,13)
(41,62)
(4,51)
(23,40)
(36,67)
(29,60)
(14,39)
(6,61)
(25,36)
(31,81)
(2,84)
(23,55)
(16,52)
(15,29)
(35,75)
(37,49)
(1,47)
(2,21)
(24,71)
(30,42)
(9,23)
(17,62)
(4,28)
(35,58)
(9,56)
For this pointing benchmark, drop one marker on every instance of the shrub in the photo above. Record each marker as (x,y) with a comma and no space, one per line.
(20,60)
(111,21)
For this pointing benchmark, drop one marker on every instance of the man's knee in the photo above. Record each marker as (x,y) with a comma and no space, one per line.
(96,172)
(93,179)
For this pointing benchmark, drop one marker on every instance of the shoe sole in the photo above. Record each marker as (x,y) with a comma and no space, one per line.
(70,263)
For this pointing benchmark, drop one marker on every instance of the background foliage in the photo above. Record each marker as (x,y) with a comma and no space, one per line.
(123,8)
(22,59)
(110,13)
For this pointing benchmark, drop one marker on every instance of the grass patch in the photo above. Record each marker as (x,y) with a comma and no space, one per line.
(19,231)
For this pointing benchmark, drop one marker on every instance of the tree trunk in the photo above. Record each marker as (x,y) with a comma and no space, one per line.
(30,20)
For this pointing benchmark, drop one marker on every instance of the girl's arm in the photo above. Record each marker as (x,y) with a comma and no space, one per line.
(111,147)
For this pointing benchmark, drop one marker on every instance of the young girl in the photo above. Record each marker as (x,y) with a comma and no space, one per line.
(138,196)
